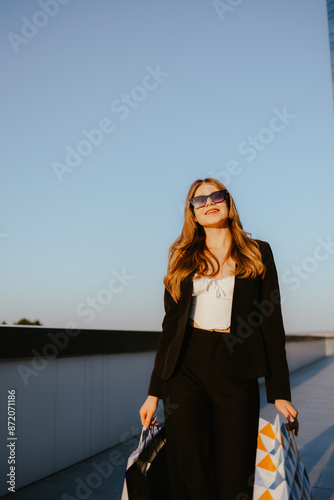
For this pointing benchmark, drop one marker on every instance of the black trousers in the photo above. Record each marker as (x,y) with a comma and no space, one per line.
(211,421)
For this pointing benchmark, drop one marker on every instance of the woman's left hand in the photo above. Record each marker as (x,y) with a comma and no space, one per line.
(290,413)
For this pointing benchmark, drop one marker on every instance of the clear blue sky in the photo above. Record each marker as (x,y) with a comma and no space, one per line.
(180,91)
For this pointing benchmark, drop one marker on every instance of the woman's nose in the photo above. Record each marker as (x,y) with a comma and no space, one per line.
(209,201)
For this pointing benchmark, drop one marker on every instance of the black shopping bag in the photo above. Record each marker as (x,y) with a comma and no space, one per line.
(147,478)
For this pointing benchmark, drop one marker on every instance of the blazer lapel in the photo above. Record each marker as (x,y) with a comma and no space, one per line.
(185,301)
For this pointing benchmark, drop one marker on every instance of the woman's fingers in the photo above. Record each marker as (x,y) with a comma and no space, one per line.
(149,420)
(292,410)
(147,410)
(292,418)
(289,412)
(294,426)
(143,414)
(142,411)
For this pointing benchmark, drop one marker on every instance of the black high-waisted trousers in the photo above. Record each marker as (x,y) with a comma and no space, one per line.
(211,421)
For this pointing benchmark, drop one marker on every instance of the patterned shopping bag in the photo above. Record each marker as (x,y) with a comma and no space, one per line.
(280,473)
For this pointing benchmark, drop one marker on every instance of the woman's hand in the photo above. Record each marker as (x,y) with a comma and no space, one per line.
(290,413)
(147,410)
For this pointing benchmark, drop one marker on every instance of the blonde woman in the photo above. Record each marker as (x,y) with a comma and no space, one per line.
(222,330)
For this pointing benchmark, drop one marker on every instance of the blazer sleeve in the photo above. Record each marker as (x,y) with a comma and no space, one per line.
(277,382)
(169,325)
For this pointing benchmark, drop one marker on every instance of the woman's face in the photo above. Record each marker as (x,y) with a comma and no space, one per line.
(213,214)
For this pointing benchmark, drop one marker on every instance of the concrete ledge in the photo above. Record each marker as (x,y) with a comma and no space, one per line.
(303,353)
(70,408)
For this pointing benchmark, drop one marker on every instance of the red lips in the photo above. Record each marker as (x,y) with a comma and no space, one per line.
(211,209)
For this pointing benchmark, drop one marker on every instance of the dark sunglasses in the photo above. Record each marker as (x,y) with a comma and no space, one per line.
(216,197)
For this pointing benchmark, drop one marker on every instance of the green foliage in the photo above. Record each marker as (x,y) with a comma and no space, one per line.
(25,321)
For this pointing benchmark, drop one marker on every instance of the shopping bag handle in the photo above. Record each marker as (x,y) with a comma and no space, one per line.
(148,430)
(291,433)
(141,435)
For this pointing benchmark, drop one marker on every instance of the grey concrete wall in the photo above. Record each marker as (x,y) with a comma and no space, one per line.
(72,408)
(303,353)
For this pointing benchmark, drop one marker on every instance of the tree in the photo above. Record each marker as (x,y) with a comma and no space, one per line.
(25,321)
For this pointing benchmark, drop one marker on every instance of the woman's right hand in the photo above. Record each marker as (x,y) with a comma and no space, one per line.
(147,410)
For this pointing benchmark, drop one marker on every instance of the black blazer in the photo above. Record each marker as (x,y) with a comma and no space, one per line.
(256,340)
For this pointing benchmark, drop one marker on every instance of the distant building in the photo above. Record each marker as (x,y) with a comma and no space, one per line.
(330,9)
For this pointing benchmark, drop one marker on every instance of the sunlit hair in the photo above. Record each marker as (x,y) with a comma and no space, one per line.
(186,254)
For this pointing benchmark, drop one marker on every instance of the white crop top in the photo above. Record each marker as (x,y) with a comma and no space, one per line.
(211,303)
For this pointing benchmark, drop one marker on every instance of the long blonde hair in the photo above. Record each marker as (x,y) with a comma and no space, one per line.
(186,254)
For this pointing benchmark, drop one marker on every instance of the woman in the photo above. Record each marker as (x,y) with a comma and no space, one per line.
(222,330)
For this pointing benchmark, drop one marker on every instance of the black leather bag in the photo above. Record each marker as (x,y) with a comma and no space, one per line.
(147,478)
